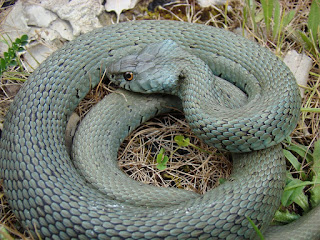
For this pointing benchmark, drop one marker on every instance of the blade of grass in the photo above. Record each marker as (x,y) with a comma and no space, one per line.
(315,191)
(305,183)
(267,7)
(314,110)
(276,20)
(255,228)
(314,19)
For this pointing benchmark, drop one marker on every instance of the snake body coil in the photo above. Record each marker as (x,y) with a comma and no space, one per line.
(46,192)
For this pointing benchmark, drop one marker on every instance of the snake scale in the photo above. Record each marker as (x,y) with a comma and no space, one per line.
(53,199)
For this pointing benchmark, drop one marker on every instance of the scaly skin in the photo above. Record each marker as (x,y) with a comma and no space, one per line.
(46,192)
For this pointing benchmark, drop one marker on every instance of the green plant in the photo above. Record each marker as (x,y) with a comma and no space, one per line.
(182,142)
(162,160)
(297,181)
(11,58)
(311,39)
(275,18)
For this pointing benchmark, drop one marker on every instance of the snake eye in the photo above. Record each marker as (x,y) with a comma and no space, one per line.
(128,76)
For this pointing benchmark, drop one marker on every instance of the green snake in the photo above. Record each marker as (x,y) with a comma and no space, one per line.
(55,200)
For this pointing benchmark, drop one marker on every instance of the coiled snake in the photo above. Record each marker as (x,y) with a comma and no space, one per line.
(48,193)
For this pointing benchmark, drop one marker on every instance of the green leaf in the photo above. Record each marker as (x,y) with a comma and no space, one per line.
(259,17)
(289,196)
(276,19)
(24,38)
(182,141)
(3,64)
(267,7)
(251,4)
(163,165)
(6,56)
(306,40)
(302,200)
(285,217)
(303,152)
(12,53)
(21,49)
(314,19)
(160,155)
(12,63)
(14,46)
(17,41)
(24,43)
(315,191)
(288,18)
(162,160)
(292,159)
(316,156)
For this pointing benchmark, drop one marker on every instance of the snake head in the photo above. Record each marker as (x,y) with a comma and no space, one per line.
(155,69)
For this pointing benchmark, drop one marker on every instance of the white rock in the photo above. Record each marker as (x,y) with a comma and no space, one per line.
(15,21)
(119,5)
(300,65)
(14,25)
(49,23)
(82,15)
(38,16)
(63,28)
(208,3)
(37,54)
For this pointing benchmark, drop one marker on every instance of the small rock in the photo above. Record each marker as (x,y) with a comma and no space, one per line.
(36,54)
(15,25)
(63,28)
(39,16)
(49,23)
(208,3)
(300,65)
(82,15)
(119,6)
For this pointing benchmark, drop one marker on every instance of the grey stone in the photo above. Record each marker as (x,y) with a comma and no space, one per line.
(300,65)
(208,3)
(49,23)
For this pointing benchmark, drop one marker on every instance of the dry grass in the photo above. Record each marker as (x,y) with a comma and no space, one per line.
(188,167)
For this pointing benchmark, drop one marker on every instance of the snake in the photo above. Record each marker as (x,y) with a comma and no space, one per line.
(54,198)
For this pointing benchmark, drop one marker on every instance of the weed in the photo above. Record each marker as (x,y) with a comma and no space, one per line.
(311,39)
(275,18)
(182,142)
(162,160)
(301,177)
(11,58)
